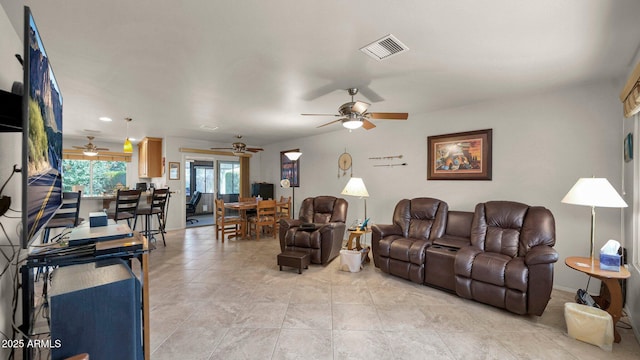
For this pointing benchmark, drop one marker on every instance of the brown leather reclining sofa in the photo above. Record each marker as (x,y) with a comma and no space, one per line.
(501,254)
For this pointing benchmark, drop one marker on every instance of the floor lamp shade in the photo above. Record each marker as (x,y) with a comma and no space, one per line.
(355,187)
(594,192)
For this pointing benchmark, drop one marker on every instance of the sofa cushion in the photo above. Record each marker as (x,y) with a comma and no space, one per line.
(408,249)
(490,267)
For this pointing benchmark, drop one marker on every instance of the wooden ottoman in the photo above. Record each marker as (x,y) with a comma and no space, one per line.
(296,259)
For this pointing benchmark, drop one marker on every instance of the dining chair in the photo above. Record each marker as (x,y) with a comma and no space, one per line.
(126,207)
(283,210)
(251,212)
(265,216)
(67,216)
(156,207)
(227,224)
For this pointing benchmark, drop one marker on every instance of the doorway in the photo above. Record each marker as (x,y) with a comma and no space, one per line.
(212,179)
(200,190)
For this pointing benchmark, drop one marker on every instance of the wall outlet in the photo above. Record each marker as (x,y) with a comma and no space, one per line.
(205,207)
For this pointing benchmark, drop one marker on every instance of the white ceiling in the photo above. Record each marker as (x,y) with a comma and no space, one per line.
(251,67)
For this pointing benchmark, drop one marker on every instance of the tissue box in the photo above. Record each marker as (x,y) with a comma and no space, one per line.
(610,262)
(97,219)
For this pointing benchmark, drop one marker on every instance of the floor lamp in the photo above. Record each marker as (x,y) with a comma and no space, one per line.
(355,187)
(594,192)
(293,156)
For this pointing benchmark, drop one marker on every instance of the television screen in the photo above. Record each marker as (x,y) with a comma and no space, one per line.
(42,136)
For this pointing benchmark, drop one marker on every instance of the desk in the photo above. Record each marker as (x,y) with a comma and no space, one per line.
(126,248)
(242,208)
(611,300)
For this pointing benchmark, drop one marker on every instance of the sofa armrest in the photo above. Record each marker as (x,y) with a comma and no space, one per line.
(380,231)
(463,262)
(331,239)
(541,254)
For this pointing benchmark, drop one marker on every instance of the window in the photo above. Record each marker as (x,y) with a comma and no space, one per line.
(98,177)
(229,177)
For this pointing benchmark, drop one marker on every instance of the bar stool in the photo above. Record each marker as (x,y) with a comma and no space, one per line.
(159,199)
(67,216)
(126,207)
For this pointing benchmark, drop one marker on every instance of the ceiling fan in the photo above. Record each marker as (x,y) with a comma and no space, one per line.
(354,114)
(239,148)
(90,149)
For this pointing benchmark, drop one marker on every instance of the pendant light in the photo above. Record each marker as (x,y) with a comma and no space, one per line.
(128,147)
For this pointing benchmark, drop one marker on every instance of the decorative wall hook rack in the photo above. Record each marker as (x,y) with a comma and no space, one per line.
(386,157)
(391,165)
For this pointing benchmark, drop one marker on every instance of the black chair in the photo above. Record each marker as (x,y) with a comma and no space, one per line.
(67,216)
(159,200)
(191,206)
(126,207)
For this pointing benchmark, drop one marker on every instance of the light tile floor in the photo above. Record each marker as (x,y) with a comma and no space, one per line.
(211,300)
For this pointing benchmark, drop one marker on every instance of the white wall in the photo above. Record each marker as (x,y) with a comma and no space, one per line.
(541,145)
(10,145)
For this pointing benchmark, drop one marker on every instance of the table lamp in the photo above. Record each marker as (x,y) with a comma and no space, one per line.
(355,187)
(594,192)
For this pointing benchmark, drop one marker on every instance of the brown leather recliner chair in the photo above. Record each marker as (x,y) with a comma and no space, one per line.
(399,248)
(510,261)
(323,243)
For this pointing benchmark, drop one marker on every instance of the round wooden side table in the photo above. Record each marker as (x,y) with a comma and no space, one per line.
(356,234)
(611,300)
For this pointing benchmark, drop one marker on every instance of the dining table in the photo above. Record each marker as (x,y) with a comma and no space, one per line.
(242,207)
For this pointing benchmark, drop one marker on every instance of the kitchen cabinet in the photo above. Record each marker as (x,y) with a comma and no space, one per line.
(150,157)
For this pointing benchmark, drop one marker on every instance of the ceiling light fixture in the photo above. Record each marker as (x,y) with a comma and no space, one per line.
(352,122)
(90,152)
(105,118)
(127,147)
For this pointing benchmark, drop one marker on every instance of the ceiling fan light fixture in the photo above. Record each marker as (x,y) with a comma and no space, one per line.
(90,152)
(352,124)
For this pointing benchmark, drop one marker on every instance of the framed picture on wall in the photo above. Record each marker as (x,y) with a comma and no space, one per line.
(290,169)
(174,171)
(460,156)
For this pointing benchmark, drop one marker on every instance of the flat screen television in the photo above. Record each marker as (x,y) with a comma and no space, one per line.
(41,136)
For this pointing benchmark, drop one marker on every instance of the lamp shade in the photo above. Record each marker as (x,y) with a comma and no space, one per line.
(293,155)
(355,187)
(127,147)
(596,192)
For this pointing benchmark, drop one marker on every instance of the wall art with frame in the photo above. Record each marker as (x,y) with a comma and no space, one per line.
(460,156)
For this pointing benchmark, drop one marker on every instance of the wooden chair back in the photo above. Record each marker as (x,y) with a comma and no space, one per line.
(265,216)
(226,224)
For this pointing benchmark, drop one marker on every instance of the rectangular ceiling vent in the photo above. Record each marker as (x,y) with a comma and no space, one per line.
(384,48)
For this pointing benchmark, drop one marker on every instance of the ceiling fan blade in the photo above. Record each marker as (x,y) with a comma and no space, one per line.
(367,125)
(254,149)
(388,116)
(225,148)
(320,114)
(79,147)
(329,123)
(370,94)
(101,149)
(360,107)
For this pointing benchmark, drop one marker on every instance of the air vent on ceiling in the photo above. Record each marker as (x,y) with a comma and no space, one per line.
(384,48)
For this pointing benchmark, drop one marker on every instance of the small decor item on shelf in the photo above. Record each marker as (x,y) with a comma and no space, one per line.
(364,224)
